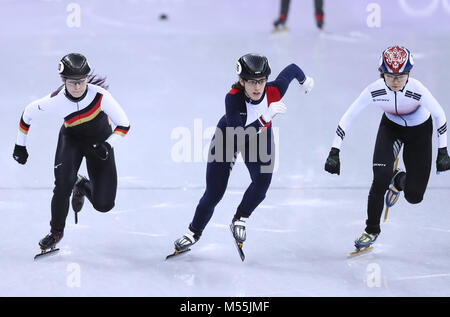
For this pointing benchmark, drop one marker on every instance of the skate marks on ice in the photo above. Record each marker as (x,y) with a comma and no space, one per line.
(351,37)
(419,277)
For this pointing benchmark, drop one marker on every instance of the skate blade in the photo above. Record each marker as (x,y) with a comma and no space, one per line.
(386,214)
(359,252)
(176,252)
(239,246)
(280,30)
(43,253)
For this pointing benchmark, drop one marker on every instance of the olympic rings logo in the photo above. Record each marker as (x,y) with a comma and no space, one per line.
(424,12)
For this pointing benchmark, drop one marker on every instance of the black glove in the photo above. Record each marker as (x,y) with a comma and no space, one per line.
(102,150)
(333,165)
(20,154)
(442,161)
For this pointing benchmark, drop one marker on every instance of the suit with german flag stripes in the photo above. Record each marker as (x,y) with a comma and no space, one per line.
(86,117)
(243,121)
(86,121)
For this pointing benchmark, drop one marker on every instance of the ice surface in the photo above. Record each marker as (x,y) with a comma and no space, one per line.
(171,77)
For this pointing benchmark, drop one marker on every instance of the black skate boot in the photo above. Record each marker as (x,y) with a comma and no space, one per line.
(280,24)
(78,196)
(50,240)
(319,21)
(48,244)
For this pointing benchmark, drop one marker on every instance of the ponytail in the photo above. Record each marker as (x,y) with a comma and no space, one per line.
(237,85)
(97,80)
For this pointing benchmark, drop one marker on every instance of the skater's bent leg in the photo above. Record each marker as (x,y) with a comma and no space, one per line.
(417,156)
(261,171)
(102,187)
(217,174)
(68,159)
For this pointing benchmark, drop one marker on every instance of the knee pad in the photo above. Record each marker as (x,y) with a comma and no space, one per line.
(103,207)
(413,198)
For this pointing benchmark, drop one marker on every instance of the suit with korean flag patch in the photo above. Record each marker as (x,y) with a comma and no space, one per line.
(406,121)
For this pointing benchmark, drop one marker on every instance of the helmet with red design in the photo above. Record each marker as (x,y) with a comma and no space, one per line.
(396,60)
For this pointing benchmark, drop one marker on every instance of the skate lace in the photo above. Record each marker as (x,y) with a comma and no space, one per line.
(187,238)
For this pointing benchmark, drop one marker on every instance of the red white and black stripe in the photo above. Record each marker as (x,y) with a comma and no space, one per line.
(121,130)
(23,127)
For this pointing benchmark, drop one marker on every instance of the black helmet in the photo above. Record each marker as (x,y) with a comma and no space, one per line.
(74,65)
(253,66)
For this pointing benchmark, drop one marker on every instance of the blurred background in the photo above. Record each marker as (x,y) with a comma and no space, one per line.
(168,73)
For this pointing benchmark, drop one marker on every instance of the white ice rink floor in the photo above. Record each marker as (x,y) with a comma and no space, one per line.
(297,246)
(171,78)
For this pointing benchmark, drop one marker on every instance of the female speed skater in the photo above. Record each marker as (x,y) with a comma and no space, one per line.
(408,107)
(86,108)
(245,128)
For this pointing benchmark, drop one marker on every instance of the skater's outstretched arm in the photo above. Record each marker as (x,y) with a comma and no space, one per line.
(352,112)
(287,75)
(31,111)
(428,101)
(332,164)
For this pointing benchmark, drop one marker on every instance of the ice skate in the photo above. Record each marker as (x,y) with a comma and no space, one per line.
(319,21)
(78,196)
(364,243)
(393,193)
(237,228)
(280,25)
(184,243)
(48,243)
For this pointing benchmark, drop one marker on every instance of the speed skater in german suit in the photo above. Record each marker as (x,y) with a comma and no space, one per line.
(86,108)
